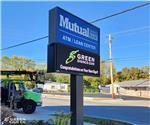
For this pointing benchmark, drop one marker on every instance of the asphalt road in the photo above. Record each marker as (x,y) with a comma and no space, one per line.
(133,111)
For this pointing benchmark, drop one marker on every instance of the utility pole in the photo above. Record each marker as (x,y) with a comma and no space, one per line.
(110,62)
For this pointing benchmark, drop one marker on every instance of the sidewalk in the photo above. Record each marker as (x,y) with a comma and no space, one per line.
(85,98)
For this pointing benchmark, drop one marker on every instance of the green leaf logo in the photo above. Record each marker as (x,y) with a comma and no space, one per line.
(71,57)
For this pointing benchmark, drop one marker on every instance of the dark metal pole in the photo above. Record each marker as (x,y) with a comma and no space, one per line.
(76,97)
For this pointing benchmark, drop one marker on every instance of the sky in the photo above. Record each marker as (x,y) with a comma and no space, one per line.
(25,21)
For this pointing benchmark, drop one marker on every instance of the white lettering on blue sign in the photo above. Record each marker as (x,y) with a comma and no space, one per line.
(74,27)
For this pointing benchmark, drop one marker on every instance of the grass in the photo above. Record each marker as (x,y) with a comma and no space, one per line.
(101,121)
(63,118)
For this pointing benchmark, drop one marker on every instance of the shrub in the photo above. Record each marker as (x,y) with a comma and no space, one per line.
(62,119)
(7,115)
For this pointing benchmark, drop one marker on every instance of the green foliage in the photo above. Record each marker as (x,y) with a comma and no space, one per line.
(41,67)
(63,78)
(104,80)
(50,77)
(132,74)
(5,63)
(100,121)
(105,73)
(146,69)
(91,84)
(17,63)
(30,84)
(62,119)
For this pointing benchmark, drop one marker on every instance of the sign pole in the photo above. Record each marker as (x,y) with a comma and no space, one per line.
(76,108)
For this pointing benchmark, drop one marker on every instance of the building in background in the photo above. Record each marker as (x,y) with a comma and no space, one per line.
(135,88)
(140,88)
(55,86)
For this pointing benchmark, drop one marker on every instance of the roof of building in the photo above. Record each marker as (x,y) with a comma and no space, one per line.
(135,83)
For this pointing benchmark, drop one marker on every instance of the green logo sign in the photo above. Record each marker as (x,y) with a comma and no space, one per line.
(71,57)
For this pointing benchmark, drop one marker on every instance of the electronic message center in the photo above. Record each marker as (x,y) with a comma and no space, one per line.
(73,44)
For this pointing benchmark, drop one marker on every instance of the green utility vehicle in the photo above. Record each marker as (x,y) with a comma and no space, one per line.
(15,95)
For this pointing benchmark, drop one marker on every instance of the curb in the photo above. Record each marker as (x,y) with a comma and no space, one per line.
(85,98)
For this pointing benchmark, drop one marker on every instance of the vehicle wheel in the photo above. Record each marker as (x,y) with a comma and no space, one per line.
(28,106)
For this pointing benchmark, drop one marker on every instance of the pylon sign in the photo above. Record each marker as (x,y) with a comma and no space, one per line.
(74,45)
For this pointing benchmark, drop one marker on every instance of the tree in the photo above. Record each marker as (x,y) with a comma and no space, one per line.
(50,77)
(105,73)
(91,84)
(104,80)
(41,67)
(54,77)
(146,68)
(132,73)
(5,63)
(64,78)
(125,75)
(17,63)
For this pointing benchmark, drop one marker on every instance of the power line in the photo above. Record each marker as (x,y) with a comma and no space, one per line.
(132,46)
(34,40)
(135,58)
(20,44)
(148,59)
(120,58)
(133,33)
(121,12)
(126,32)
(126,60)
(145,28)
